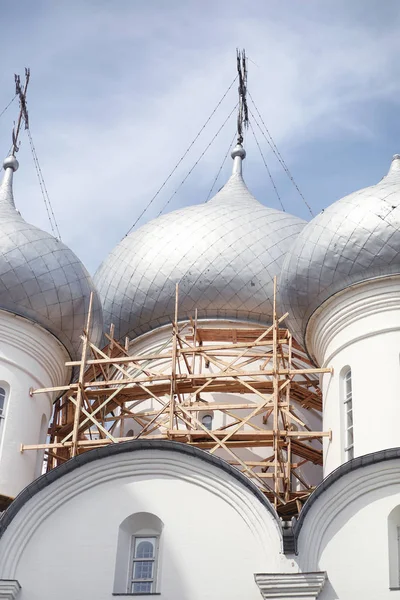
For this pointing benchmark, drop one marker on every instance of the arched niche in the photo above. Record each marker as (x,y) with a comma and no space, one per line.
(394,547)
(138,524)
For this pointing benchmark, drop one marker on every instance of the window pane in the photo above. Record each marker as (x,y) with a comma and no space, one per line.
(348,382)
(142,586)
(144,548)
(143,569)
(207,421)
(350,418)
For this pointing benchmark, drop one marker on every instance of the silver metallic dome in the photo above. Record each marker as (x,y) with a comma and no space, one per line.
(355,239)
(40,278)
(224,254)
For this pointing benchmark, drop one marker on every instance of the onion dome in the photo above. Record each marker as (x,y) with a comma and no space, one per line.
(224,255)
(355,239)
(40,278)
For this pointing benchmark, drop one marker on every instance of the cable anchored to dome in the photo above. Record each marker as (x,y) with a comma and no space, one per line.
(198,160)
(23,117)
(266,166)
(8,105)
(242,122)
(270,141)
(46,199)
(181,159)
(221,167)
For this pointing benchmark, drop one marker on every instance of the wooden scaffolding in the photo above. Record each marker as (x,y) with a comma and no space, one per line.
(255,385)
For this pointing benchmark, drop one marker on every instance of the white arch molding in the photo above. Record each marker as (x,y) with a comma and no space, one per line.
(138,465)
(335,500)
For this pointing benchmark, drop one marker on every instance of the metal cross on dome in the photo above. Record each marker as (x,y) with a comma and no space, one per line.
(23,111)
(243,113)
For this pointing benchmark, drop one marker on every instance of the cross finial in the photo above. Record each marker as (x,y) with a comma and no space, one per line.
(243,113)
(23,111)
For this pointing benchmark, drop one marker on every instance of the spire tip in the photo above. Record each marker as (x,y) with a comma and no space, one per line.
(238,151)
(11,163)
(238,154)
(395,165)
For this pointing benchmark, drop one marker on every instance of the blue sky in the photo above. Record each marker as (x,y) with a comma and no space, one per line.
(120,88)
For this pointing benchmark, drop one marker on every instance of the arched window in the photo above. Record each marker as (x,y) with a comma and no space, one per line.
(207,421)
(41,440)
(348,416)
(137,563)
(2,407)
(129,433)
(2,403)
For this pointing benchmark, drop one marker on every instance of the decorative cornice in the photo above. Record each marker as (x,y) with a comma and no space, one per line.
(294,586)
(366,299)
(9,589)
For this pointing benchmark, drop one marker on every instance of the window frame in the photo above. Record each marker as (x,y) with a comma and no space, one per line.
(348,415)
(133,560)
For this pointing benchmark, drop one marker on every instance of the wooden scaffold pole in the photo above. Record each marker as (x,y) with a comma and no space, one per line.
(275,393)
(173,361)
(82,368)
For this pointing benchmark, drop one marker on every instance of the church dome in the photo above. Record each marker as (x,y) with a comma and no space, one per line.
(224,255)
(40,278)
(355,239)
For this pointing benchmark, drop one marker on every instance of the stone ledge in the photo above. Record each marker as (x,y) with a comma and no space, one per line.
(293,586)
(9,589)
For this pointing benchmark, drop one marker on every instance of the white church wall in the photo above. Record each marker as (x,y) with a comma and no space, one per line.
(360,329)
(215,532)
(347,533)
(29,358)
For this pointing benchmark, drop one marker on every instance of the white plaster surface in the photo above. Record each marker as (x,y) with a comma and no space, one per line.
(29,358)
(360,328)
(346,534)
(216,533)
